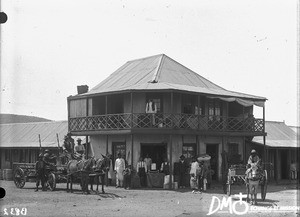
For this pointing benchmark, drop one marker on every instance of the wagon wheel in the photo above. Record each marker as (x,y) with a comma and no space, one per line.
(51,181)
(264,185)
(19,178)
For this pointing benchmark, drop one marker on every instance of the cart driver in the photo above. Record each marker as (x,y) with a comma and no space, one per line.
(254,159)
(79,150)
(68,144)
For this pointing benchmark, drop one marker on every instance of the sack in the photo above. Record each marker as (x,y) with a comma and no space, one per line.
(166,179)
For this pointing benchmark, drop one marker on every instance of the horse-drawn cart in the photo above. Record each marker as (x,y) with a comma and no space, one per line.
(237,175)
(23,172)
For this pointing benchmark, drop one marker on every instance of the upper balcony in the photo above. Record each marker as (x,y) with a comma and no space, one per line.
(166,121)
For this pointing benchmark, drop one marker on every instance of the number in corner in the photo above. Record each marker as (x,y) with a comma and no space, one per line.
(15,211)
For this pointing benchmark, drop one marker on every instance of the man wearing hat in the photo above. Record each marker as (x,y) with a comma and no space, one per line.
(79,149)
(40,172)
(254,159)
(182,169)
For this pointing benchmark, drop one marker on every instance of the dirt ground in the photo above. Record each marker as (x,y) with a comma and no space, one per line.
(138,202)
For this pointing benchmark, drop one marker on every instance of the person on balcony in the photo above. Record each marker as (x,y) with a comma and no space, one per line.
(79,150)
(151,108)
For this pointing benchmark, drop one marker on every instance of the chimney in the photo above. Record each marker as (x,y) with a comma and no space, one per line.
(82,89)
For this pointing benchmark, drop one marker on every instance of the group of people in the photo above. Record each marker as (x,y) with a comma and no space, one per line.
(47,160)
(200,175)
(76,151)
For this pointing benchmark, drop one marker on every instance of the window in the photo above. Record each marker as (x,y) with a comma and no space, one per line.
(189,104)
(214,109)
(233,153)
(7,155)
(233,148)
(21,155)
(158,105)
(189,150)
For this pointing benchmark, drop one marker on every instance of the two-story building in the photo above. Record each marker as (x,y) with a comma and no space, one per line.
(191,116)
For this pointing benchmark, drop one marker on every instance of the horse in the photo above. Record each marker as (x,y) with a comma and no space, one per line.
(83,167)
(253,177)
(100,168)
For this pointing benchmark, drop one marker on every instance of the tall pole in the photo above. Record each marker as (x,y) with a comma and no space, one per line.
(264,132)
(40,143)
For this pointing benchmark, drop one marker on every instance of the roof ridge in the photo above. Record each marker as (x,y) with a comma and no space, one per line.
(158,70)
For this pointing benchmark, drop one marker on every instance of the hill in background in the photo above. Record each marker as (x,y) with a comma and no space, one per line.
(11,118)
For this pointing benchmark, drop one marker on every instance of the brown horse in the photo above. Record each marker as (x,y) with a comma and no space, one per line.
(80,169)
(253,178)
(101,167)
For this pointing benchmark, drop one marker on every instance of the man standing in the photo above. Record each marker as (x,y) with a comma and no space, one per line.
(142,169)
(127,176)
(151,109)
(119,168)
(40,173)
(148,162)
(79,149)
(194,174)
(182,167)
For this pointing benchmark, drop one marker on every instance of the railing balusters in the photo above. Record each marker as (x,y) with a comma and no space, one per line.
(167,121)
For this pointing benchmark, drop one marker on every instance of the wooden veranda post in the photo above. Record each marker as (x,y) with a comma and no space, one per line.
(57,141)
(264,137)
(131,110)
(170,139)
(40,143)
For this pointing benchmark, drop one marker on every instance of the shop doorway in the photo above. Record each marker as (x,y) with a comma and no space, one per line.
(212,150)
(156,151)
(284,164)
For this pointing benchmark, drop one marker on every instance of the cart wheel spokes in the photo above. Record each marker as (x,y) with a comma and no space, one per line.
(264,186)
(228,189)
(19,178)
(51,182)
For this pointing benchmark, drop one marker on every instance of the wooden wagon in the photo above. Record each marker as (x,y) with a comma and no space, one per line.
(23,172)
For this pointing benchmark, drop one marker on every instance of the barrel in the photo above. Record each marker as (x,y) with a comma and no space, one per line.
(8,174)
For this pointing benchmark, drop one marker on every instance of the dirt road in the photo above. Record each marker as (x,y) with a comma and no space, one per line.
(137,202)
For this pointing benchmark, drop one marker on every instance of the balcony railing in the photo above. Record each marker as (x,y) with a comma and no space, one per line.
(166,121)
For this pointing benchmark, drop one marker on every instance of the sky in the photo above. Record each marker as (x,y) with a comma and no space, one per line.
(49,47)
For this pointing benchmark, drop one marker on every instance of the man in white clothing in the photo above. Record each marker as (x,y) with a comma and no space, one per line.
(148,162)
(119,168)
(151,109)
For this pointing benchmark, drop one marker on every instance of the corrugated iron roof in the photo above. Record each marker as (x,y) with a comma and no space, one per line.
(278,135)
(160,72)
(26,134)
